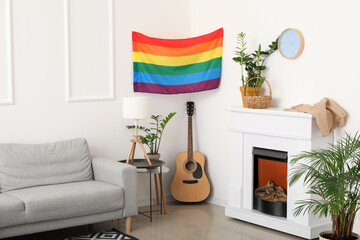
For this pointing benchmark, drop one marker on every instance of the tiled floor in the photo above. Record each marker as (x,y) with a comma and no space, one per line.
(183,222)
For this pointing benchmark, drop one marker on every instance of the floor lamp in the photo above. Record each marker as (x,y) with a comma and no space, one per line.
(136,108)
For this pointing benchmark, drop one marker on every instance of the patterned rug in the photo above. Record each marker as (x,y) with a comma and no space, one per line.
(113,234)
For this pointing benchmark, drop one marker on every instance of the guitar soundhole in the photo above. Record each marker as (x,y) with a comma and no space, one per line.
(190,166)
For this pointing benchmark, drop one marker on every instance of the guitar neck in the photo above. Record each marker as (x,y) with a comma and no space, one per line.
(190,139)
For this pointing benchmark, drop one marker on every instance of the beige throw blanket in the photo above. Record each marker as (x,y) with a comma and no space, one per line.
(327,113)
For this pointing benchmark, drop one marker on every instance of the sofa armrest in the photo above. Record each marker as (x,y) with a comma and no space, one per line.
(118,174)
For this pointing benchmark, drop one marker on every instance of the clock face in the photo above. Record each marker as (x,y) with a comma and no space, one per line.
(291,43)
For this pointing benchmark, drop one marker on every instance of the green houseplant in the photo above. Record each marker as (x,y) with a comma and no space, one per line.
(332,175)
(153,135)
(253,64)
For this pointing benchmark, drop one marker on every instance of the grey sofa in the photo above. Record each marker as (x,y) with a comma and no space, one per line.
(58,185)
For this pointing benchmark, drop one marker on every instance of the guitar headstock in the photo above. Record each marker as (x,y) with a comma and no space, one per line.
(190,106)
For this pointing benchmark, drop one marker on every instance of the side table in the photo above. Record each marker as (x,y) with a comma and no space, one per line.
(143,166)
(157,179)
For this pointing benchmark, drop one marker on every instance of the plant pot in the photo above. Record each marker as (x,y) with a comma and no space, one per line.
(321,235)
(250,91)
(155,156)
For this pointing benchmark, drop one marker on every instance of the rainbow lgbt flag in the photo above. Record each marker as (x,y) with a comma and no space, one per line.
(171,66)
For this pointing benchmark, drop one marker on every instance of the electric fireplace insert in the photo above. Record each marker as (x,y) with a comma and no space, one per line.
(270,181)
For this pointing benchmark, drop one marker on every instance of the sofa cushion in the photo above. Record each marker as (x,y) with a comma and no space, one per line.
(12,211)
(30,165)
(54,202)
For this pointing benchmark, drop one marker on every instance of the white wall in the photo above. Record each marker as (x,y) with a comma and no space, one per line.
(6,83)
(41,114)
(328,66)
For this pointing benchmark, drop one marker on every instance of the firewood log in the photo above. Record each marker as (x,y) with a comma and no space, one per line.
(270,192)
(268,185)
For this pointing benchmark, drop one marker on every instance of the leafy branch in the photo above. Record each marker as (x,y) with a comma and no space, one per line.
(153,135)
(254,63)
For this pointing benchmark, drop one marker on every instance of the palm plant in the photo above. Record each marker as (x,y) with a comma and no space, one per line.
(153,135)
(333,175)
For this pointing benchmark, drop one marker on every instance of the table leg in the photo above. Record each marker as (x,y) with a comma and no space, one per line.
(156,188)
(150,196)
(163,195)
(162,191)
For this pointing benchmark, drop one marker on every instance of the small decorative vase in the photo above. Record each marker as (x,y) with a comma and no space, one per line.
(322,237)
(155,156)
(250,91)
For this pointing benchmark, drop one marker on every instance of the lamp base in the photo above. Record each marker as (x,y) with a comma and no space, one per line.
(131,154)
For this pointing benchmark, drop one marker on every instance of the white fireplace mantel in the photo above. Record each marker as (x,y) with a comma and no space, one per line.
(275,129)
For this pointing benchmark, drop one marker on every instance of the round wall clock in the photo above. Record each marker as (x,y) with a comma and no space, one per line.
(291,43)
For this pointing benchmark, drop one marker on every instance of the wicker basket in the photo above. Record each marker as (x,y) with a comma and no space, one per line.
(258,102)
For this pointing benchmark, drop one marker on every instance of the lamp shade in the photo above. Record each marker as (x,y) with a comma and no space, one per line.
(135,107)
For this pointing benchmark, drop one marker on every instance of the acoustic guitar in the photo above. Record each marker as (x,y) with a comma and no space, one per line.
(190,183)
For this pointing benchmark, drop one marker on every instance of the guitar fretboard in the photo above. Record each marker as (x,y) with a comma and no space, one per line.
(190,139)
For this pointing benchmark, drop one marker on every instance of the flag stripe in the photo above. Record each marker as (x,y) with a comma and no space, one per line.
(177,79)
(176,89)
(176,43)
(177,61)
(176,52)
(177,70)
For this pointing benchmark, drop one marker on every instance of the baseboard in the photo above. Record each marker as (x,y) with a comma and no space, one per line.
(218,201)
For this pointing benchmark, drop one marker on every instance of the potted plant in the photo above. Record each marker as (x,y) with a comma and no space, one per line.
(332,176)
(153,135)
(254,65)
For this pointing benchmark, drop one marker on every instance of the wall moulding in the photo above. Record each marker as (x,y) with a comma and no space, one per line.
(69,79)
(9,99)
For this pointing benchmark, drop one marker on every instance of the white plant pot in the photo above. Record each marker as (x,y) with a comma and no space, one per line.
(322,238)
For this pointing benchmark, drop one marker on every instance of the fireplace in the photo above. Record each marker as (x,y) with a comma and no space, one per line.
(270,181)
(254,133)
